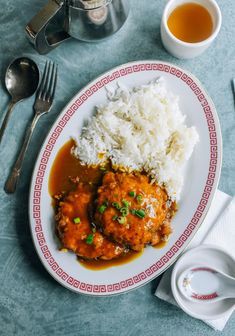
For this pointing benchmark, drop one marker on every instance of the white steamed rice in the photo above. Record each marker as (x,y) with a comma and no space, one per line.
(140,129)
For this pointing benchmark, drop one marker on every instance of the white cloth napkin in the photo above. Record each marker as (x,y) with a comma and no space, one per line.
(218,229)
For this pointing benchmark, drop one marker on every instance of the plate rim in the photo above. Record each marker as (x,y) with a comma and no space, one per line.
(211,197)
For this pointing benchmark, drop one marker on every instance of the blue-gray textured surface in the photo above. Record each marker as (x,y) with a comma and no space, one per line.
(31,302)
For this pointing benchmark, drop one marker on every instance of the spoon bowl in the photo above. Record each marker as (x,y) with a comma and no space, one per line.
(22,78)
(205,284)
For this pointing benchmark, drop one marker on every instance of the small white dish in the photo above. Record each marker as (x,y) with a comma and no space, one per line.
(204,255)
(185,50)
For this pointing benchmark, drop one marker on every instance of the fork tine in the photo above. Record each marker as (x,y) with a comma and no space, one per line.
(52,83)
(43,81)
(46,91)
(45,88)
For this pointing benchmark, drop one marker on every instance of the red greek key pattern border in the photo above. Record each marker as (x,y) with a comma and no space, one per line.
(141,277)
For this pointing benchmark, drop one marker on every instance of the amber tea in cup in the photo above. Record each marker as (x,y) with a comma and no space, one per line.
(190,22)
(188,27)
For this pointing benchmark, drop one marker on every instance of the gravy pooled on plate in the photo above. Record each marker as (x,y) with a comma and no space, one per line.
(89,220)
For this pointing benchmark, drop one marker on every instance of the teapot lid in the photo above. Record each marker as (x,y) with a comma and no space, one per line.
(88,4)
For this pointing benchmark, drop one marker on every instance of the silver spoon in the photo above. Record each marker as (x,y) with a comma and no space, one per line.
(22,78)
(205,284)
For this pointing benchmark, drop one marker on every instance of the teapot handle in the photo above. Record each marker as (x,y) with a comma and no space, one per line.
(36,28)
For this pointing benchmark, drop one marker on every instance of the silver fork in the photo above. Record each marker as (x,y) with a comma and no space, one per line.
(42,105)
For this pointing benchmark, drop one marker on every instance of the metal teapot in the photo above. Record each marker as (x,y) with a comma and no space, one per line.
(85,20)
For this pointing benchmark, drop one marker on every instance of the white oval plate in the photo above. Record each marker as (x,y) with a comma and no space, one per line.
(200,182)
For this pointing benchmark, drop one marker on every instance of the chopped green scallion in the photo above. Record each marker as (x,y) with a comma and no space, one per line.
(89,239)
(124,211)
(115,217)
(140,213)
(116,205)
(121,220)
(131,193)
(139,199)
(125,203)
(77,220)
(102,208)
(133,211)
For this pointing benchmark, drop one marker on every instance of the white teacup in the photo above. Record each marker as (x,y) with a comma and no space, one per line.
(185,50)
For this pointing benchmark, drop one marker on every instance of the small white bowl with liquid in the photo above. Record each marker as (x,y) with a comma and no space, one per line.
(186,50)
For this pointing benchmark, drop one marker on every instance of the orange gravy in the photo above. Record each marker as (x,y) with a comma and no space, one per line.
(190,23)
(65,167)
(160,245)
(97,265)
